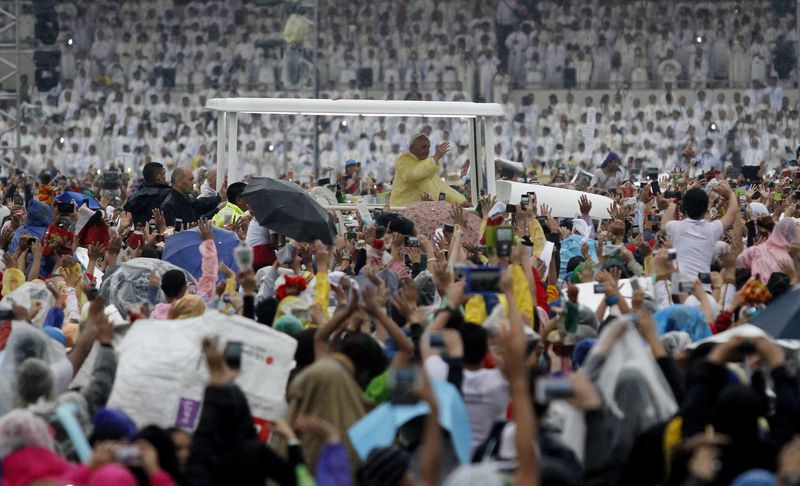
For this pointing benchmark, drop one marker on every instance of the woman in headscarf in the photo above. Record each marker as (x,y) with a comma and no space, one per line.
(764,259)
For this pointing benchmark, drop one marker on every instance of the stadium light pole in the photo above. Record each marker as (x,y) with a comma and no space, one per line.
(316,88)
(17,81)
(10,58)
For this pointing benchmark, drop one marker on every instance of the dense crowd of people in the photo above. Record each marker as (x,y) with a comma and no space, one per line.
(112,102)
(541,350)
(438,339)
(536,44)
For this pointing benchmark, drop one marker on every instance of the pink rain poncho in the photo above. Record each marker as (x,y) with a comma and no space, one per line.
(764,259)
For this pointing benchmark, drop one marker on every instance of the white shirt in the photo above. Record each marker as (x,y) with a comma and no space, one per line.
(259,235)
(694,242)
(485,392)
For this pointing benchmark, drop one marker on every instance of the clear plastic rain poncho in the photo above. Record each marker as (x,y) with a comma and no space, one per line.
(630,383)
(126,285)
(631,357)
(26,341)
(26,295)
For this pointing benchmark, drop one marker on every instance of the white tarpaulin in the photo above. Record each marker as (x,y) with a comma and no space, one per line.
(162,373)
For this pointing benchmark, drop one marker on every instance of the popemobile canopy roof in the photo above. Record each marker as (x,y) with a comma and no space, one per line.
(296,106)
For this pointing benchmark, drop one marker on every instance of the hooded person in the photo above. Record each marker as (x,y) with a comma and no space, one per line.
(267,278)
(37,219)
(288,324)
(112,424)
(26,451)
(675,341)
(186,307)
(427,296)
(26,342)
(416,173)
(635,395)
(571,245)
(332,389)
(765,259)
(21,428)
(684,318)
(13,278)
(47,411)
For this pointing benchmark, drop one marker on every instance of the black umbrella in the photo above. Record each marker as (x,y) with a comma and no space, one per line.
(287,209)
(781,318)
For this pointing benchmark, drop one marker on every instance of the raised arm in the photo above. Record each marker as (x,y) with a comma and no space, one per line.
(405,348)
(430,450)
(210,263)
(669,213)
(513,345)
(733,204)
(339,318)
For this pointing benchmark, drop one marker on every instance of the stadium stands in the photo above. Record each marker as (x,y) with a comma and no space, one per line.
(136,76)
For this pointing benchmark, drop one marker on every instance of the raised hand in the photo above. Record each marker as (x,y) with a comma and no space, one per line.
(487,202)
(662,264)
(125,220)
(96,251)
(373,303)
(37,248)
(206,229)
(323,257)
(618,212)
(9,261)
(218,371)
(158,217)
(585,205)
(458,215)
(441,150)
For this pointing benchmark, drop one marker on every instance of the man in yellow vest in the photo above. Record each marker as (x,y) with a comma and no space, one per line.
(234,208)
(417,173)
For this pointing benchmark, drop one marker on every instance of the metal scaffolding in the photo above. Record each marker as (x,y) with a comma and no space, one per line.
(10,96)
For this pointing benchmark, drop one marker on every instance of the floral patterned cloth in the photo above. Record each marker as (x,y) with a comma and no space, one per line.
(428,216)
(57,240)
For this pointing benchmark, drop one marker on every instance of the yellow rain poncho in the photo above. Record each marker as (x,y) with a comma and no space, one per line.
(413,177)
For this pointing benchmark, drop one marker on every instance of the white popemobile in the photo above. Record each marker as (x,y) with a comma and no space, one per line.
(564,202)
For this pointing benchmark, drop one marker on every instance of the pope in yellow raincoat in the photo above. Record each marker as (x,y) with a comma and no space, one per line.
(417,173)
